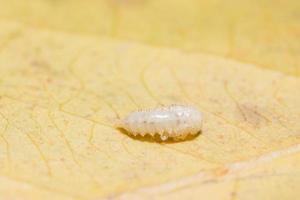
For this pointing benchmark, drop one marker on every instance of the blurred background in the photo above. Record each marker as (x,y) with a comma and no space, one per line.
(265,32)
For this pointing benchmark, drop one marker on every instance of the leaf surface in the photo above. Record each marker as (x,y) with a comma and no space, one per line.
(62,88)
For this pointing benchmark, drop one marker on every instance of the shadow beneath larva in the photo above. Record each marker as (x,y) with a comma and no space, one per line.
(156,138)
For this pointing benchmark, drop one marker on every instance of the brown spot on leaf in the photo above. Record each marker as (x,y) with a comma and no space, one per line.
(221,137)
(41,64)
(253,115)
(49,80)
(221,171)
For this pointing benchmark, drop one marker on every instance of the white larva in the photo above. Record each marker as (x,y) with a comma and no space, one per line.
(175,121)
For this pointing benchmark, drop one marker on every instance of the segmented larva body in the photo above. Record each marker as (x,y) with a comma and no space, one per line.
(175,121)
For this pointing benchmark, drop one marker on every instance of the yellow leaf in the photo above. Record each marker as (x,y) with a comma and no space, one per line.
(61,92)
